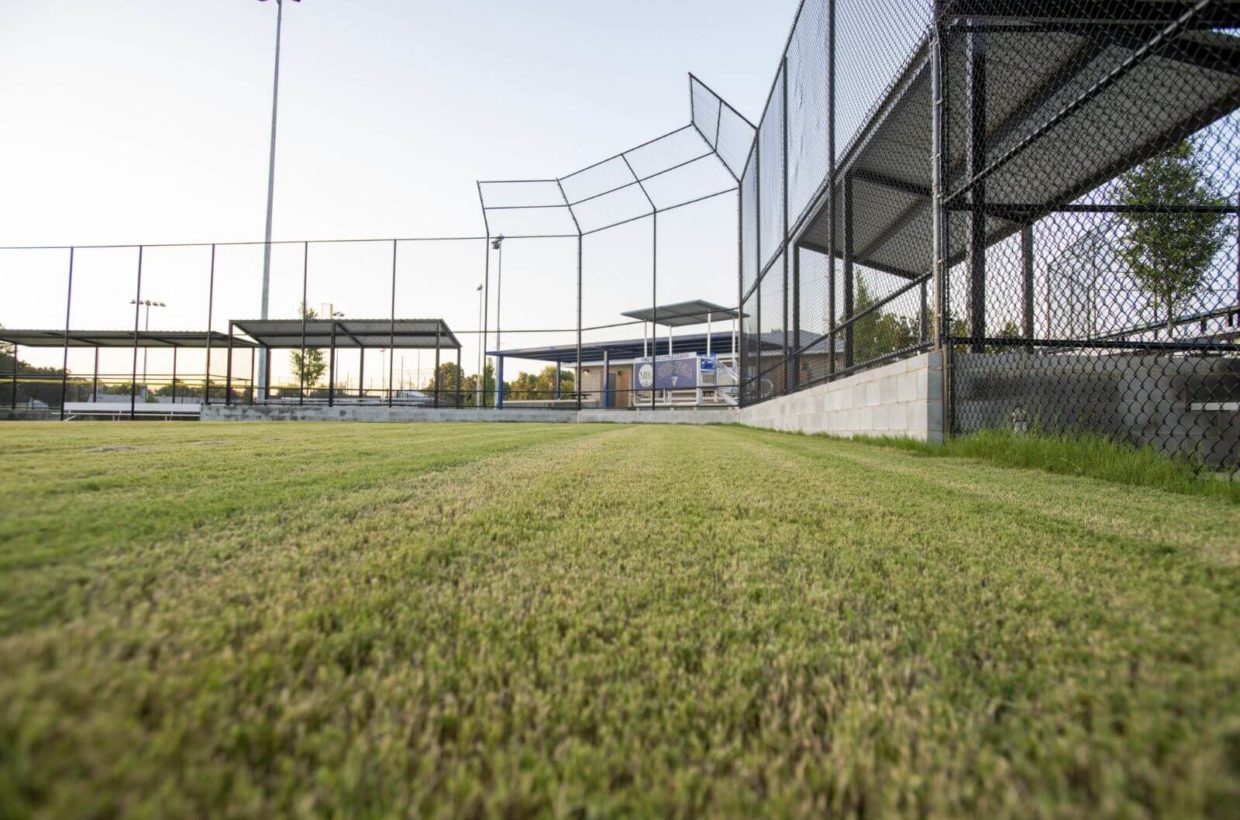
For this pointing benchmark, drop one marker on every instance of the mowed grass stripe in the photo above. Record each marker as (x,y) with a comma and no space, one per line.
(642,620)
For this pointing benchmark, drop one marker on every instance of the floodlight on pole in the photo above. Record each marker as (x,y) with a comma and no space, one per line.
(271,187)
(148,304)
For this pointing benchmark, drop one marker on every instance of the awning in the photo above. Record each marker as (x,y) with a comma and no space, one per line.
(349,333)
(1046,106)
(120,338)
(682,314)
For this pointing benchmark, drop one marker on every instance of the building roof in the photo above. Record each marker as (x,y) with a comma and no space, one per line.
(629,349)
(119,338)
(681,314)
(349,333)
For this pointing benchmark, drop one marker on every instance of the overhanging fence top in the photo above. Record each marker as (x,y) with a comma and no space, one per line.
(348,333)
(1043,113)
(120,338)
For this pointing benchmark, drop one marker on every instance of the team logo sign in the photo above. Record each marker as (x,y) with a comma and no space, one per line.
(645,375)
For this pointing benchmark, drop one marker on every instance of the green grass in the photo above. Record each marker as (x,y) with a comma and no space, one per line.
(1079,455)
(578,619)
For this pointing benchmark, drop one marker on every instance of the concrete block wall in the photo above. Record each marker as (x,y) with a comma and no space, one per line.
(904,398)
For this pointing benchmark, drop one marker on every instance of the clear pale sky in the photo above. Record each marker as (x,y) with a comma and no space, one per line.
(147,121)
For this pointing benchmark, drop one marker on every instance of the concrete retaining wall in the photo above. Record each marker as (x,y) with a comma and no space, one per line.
(903,399)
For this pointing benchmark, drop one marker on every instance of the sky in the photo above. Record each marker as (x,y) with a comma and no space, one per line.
(147,121)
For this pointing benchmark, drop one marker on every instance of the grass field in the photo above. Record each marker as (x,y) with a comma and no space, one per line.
(593,619)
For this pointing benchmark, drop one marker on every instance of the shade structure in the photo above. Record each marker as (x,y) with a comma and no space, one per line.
(349,333)
(681,314)
(1048,104)
(120,338)
(626,349)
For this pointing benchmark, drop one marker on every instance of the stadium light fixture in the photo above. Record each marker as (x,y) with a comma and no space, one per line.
(148,304)
(271,187)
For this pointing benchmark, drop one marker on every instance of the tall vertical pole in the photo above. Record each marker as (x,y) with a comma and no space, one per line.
(137,315)
(271,188)
(940,225)
(228,369)
(757,279)
(174,375)
(788,369)
(975,160)
(577,375)
(249,388)
(831,187)
(438,380)
(392,329)
(654,310)
(206,390)
(94,379)
(738,340)
(305,278)
(64,366)
(13,398)
(331,367)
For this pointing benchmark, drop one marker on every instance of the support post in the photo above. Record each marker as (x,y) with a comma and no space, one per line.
(94,379)
(788,369)
(64,367)
(1026,258)
(305,274)
(206,390)
(831,188)
(559,366)
(654,310)
(606,402)
(392,334)
(499,383)
(331,368)
(174,375)
(249,388)
(361,372)
(228,372)
(438,386)
(13,398)
(459,375)
(266,363)
(486,309)
(577,376)
(137,313)
(849,288)
(975,160)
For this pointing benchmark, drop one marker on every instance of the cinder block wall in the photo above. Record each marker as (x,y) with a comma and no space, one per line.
(903,399)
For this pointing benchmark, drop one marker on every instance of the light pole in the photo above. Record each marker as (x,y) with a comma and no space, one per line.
(271,188)
(148,304)
(498,244)
(481,347)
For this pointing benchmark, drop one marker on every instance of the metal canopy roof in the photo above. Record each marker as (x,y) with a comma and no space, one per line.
(349,333)
(628,349)
(1031,81)
(682,314)
(119,338)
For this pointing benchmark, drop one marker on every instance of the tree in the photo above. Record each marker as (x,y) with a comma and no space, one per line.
(539,386)
(879,333)
(308,368)
(1170,253)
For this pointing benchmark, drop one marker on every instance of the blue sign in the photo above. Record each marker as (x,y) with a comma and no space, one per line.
(708,364)
(676,372)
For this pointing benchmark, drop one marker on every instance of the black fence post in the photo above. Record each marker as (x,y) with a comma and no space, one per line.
(331,368)
(206,390)
(831,238)
(789,271)
(975,160)
(848,285)
(305,308)
(174,375)
(459,374)
(228,371)
(13,398)
(64,367)
(392,327)
(438,381)
(1026,258)
(137,313)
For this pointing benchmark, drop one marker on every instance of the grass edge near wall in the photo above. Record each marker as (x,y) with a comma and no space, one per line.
(1084,455)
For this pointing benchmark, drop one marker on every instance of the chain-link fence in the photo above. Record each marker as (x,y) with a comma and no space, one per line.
(1046,191)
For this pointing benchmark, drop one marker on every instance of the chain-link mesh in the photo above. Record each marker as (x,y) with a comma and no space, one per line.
(1081,160)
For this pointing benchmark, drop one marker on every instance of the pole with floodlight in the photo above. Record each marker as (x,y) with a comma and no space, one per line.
(271,187)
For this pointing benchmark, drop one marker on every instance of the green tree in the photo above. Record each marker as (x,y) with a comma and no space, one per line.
(540,385)
(1169,254)
(308,368)
(879,333)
